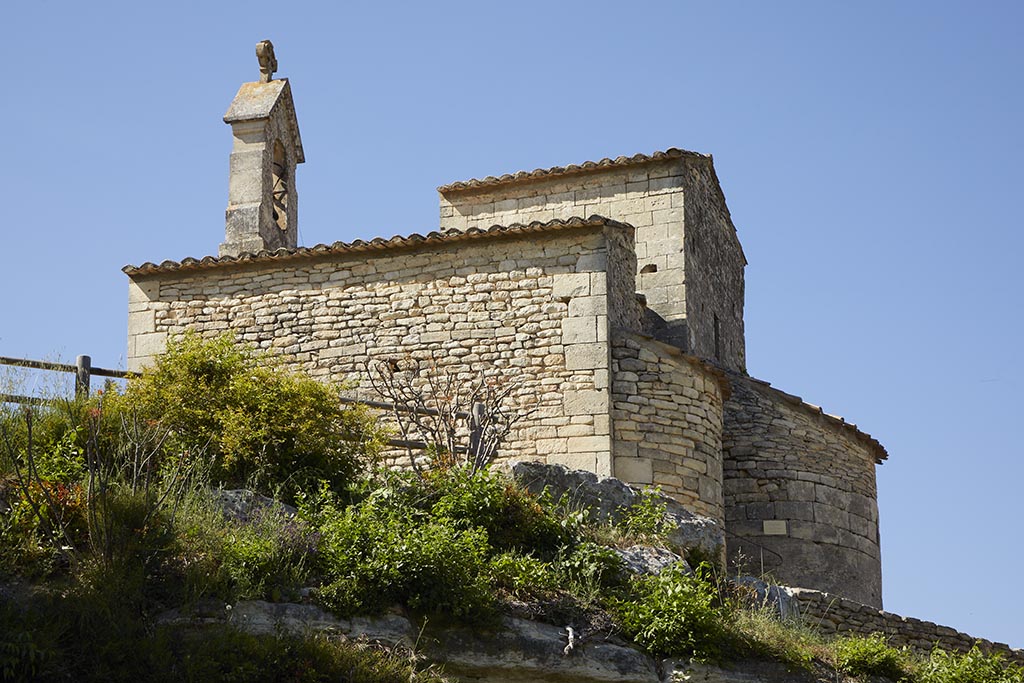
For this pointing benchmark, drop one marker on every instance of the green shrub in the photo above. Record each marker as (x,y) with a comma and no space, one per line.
(522,575)
(870,656)
(973,667)
(589,567)
(645,518)
(673,614)
(513,519)
(374,556)
(261,426)
(268,558)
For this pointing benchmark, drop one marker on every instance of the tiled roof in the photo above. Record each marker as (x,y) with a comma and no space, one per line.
(873,443)
(377,244)
(586,166)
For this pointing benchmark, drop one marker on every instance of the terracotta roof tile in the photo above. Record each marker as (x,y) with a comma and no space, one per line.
(585,167)
(375,244)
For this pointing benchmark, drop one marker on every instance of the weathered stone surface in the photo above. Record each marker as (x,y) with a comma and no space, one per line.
(529,651)
(645,559)
(778,598)
(260,617)
(785,464)
(689,260)
(241,505)
(667,422)
(607,498)
(745,672)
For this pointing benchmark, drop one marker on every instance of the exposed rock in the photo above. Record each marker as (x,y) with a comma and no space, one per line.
(608,498)
(745,672)
(780,599)
(530,651)
(515,650)
(645,559)
(264,618)
(242,505)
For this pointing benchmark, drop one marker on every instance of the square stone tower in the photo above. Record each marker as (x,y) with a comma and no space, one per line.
(262,211)
(689,260)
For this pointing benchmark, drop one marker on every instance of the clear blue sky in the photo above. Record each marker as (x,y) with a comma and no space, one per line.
(870,154)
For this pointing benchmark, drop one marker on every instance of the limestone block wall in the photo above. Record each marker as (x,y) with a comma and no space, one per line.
(666,197)
(667,422)
(531,304)
(800,496)
(833,614)
(714,274)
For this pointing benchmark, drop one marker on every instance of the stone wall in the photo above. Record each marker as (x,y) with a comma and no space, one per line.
(531,304)
(800,497)
(666,197)
(667,422)
(714,274)
(832,614)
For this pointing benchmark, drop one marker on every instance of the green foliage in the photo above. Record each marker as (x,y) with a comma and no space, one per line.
(645,518)
(870,656)
(374,556)
(262,427)
(674,614)
(513,519)
(973,667)
(24,650)
(589,567)
(523,575)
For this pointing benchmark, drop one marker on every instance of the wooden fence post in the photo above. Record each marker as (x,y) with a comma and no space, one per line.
(83,369)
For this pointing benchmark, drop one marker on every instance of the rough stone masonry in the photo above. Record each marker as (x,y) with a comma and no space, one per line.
(611,292)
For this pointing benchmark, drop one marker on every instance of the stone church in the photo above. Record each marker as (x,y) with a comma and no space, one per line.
(611,291)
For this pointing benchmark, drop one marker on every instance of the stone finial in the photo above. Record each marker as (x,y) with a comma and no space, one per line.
(268,62)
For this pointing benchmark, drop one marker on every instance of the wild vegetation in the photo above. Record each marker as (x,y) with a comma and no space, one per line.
(111,513)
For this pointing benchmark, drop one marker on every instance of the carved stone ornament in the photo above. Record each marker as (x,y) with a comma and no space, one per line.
(268,62)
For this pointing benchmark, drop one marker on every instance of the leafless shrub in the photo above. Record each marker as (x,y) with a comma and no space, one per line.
(460,421)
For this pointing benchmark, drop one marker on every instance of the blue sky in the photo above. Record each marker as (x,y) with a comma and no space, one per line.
(869,153)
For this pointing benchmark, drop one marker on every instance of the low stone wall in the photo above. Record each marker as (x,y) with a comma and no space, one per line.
(667,422)
(800,497)
(832,614)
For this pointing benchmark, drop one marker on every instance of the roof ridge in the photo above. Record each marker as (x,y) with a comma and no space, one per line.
(374,244)
(880,452)
(586,166)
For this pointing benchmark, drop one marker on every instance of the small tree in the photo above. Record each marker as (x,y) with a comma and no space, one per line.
(463,420)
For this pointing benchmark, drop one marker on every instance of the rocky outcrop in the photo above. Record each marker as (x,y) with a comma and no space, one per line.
(514,650)
(608,498)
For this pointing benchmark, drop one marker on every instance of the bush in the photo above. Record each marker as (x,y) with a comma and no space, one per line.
(870,656)
(373,557)
(512,518)
(973,667)
(589,567)
(674,614)
(261,426)
(645,518)
(522,575)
